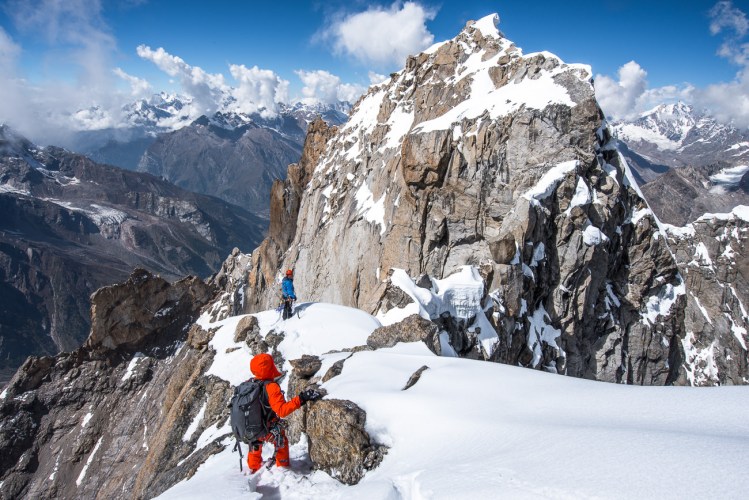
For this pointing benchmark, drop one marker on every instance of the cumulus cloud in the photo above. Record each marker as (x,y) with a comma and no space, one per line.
(619,98)
(629,96)
(382,36)
(729,101)
(207,90)
(138,86)
(324,87)
(725,16)
(76,25)
(259,90)
(733,24)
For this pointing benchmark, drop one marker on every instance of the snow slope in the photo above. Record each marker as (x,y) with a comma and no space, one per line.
(473,429)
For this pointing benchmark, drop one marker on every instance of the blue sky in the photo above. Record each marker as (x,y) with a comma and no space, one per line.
(76,53)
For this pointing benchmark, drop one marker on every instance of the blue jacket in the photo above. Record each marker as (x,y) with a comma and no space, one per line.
(287,288)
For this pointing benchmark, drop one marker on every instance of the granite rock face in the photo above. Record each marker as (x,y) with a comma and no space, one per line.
(285,201)
(477,155)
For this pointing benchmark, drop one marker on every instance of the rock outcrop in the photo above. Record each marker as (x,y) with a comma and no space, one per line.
(338,443)
(414,328)
(111,419)
(126,314)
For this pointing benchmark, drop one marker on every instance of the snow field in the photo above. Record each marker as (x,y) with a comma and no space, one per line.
(472,429)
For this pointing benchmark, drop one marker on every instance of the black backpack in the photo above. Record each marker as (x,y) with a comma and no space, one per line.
(250,413)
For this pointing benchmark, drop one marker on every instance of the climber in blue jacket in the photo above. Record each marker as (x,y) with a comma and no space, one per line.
(287,293)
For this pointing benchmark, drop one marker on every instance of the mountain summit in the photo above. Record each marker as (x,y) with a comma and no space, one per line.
(476,154)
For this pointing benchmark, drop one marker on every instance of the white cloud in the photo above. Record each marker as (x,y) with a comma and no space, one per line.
(619,99)
(207,90)
(729,101)
(9,50)
(259,90)
(322,86)
(725,16)
(78,27)
(629,95)
(138,86)
(383,36)
(375,78)
(83,48)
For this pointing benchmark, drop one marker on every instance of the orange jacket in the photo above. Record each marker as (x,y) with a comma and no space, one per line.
(263,368)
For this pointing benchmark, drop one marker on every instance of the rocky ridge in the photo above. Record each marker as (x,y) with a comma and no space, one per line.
(476,154)
(712,256)
(135,410)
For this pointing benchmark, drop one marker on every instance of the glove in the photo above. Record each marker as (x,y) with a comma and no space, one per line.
(309,395)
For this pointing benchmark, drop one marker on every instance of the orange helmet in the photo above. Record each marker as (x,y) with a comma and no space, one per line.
(289,272)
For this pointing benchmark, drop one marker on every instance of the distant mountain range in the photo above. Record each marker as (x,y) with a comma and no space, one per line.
(234,156)
(70,226)
(687,163)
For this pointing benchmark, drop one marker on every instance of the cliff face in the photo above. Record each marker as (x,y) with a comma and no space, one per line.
(475,154)
(712,256)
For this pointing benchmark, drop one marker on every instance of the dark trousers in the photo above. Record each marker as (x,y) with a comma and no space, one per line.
(287,312)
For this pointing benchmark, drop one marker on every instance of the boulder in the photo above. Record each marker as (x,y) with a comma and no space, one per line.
(127,315)
(338,441)
(412,329)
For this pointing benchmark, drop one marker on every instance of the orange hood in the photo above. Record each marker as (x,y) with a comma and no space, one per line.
(263,367)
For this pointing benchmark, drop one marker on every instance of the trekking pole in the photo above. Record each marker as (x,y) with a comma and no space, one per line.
(238,447)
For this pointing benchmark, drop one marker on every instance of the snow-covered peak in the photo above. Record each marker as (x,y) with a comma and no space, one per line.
(487,25)
(487,74)
(677,111)
(677,134)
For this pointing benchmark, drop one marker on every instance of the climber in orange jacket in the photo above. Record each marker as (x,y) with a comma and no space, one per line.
(276,406)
